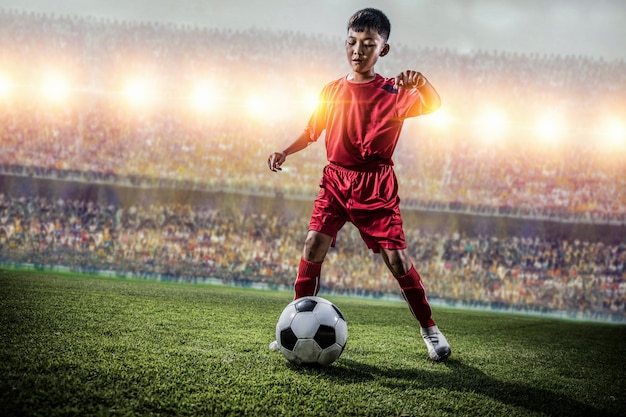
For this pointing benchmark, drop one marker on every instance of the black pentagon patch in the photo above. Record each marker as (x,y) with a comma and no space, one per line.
(306,304)
(325,336)
(288,339)
(339,312)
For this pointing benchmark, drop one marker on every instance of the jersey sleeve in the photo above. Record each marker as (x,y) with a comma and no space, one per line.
(409,103)
(317,122)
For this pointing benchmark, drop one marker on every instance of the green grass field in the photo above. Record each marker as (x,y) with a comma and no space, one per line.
(75,345)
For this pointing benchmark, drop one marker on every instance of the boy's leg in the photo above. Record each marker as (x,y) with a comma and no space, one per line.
(308,279)
(401,267)
(415,295)
(315,248)
(307,283)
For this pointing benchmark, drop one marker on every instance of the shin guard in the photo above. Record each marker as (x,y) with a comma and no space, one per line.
(308,280)
(415,295)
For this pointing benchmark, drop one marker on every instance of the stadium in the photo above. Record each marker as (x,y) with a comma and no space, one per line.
(135,150)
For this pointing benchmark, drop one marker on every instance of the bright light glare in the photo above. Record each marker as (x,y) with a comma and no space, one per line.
(139,91)
(267,106)
(615,132)
(55,88)
(550,127)
(5,86)
(492,124)
(255,105)
(310,101)
(440,119)
(204,97)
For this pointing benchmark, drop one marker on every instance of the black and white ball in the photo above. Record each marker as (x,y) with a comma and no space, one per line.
(311,330)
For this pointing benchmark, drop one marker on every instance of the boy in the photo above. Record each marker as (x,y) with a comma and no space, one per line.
(362,114)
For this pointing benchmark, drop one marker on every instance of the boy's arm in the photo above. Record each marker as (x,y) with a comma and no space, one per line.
(430,98)
(413,79)
(276,159)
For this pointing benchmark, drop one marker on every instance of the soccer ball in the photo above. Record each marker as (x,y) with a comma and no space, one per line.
(311,330)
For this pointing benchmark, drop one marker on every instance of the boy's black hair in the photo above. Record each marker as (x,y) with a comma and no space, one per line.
(370,19)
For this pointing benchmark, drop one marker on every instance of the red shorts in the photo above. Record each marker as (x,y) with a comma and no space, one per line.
(367,199)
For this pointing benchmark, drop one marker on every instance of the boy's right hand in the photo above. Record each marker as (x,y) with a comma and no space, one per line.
(275,160)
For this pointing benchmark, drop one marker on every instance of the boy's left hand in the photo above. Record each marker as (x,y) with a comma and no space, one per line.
(409,79)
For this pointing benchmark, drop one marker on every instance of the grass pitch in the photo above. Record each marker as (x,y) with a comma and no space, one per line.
(83,346)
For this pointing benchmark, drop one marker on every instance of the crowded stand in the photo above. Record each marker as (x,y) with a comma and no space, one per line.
(239,245)
(97,132)
(581,177)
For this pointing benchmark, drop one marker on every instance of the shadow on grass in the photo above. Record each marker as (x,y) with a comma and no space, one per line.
(464,378)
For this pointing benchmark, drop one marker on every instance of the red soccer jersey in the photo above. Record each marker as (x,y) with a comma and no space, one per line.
(362,121)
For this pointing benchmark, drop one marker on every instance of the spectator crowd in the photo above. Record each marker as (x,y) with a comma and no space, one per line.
(97,138)
(240,244)
(581,177)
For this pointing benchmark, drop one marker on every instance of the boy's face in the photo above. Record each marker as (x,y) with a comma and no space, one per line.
(363,50)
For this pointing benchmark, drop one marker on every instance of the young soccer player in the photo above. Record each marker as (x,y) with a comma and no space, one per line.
(362,114)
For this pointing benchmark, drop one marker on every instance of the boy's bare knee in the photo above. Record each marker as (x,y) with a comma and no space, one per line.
(398,261)
(316,246)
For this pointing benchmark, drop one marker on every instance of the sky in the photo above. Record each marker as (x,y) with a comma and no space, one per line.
(592,28)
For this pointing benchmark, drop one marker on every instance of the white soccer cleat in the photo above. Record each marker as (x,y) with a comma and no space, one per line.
(274,345)
(438,347)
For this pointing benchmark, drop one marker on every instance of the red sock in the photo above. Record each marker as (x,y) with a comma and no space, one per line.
(415,296)
(308,280)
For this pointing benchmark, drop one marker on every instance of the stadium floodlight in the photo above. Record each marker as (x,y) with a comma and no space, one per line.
(139,91)
(271,106)
(267,106)
(255,105)
(615,132)
(54,88)
(550,127)
(491,124)
(440,119)
(5,86)
(310,100)
(204,97)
